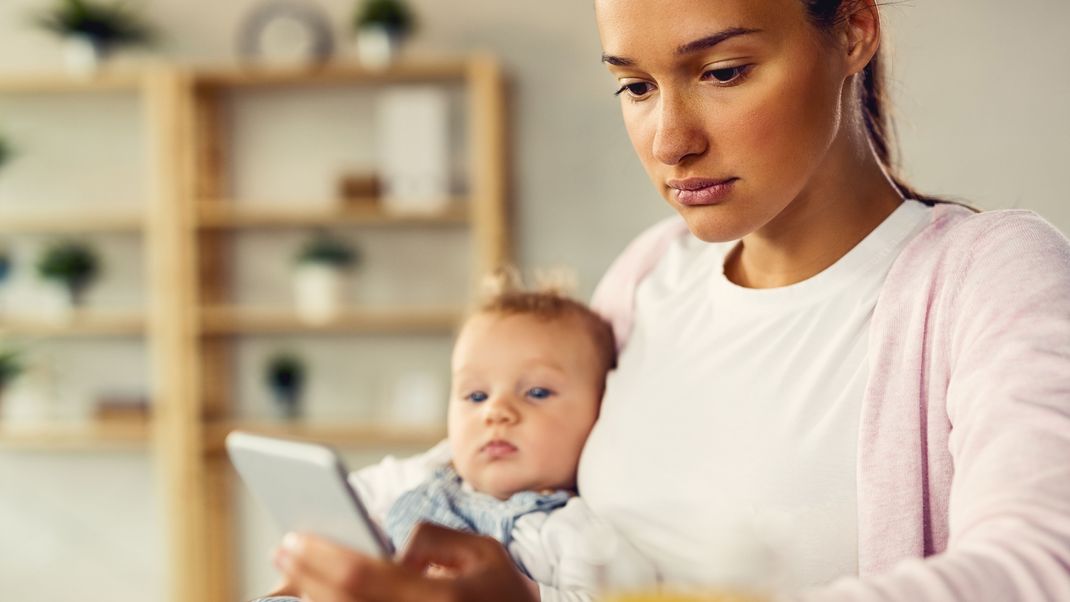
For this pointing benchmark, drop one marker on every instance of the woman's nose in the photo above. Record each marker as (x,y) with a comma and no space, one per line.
(679,133)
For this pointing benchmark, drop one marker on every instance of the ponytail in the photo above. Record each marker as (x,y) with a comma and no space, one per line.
(825,15)
(878,122)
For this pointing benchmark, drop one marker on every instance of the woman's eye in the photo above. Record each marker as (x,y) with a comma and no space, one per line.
(727,75)
(635,90)
(539,392)
(476,397)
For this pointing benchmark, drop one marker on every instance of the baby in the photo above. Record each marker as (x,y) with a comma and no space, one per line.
(528,373)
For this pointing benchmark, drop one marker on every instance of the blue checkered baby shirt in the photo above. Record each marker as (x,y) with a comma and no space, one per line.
(444,500)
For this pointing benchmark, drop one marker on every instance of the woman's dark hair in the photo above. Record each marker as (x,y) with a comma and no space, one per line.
(826,14)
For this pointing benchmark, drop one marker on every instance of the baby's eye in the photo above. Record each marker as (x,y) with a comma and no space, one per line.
(476,397)
(539,392)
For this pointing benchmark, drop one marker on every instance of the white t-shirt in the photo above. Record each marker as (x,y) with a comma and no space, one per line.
(729,431)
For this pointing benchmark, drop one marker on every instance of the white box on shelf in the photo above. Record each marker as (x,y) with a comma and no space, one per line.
(414,149)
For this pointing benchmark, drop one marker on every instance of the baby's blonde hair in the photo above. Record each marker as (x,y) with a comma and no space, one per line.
(504,294)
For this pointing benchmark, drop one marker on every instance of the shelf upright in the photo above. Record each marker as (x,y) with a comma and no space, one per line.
(194,324)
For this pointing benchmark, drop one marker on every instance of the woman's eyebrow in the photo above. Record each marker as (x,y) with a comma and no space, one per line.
(700,44)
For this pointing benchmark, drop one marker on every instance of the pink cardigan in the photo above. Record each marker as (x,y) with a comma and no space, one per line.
(964,446)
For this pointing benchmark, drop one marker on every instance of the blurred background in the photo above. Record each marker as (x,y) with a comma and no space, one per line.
(200,229)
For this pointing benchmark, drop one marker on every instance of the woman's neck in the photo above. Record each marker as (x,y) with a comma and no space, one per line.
(839,208)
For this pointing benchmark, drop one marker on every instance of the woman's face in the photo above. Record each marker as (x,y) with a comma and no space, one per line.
(732,105)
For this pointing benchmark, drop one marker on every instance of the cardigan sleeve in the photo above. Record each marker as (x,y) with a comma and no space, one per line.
(1008,403)
(614,296)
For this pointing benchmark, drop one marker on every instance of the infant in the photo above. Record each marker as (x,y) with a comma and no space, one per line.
(528,373)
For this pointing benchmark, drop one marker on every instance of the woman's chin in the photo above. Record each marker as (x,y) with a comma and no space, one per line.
(713,224)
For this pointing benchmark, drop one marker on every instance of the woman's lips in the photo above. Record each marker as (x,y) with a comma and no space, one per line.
(498,449)
(695,192)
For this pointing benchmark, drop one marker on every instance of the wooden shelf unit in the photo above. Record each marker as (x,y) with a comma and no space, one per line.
(189,323)
(194,326)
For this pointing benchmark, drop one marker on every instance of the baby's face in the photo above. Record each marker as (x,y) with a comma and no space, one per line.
(524,397)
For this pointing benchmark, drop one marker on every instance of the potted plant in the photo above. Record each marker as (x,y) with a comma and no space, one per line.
(71,265)
(6,151)
(91,31)
(318,280)
(10,368)
(5,265)
(285,376)
(381,26)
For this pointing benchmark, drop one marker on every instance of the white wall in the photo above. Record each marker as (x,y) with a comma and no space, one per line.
(981,87)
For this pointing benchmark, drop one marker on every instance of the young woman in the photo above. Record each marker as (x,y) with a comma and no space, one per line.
(876,383)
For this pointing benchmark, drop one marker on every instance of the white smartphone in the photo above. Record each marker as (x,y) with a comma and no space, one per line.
(305,487)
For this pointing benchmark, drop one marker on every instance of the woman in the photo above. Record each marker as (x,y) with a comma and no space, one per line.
(876,383)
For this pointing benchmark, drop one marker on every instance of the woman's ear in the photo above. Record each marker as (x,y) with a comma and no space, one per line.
(860,33)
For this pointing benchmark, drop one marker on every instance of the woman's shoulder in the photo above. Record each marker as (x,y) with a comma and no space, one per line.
(981,250)
(961,233)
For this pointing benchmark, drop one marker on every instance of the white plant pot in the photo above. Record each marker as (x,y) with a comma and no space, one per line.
(377,48)
(318,293)
(418,400)
(81,56)
(55,304)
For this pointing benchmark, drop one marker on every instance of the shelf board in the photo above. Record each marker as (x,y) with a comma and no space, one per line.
(31,83)
(88,436)
(234,320)
(343,436)
(83,323)
(229,214)
(330,74)
(62,220)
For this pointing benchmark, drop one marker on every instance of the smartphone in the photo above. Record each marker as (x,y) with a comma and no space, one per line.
(305,487)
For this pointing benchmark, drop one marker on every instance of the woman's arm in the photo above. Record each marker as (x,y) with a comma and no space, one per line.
(1008,401)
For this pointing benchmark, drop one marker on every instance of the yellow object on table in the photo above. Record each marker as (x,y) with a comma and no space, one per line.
(677,597)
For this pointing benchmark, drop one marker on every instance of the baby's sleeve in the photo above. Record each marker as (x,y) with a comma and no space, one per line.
(380,485)
(570,551)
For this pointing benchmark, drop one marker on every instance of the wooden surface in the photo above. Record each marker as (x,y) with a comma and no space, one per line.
(75,437)
(331,74)
(81,324)
(338,435)
(229,214)
(53,83)
(235,320)
(63,220)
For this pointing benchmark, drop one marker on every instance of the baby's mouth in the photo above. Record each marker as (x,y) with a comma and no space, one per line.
(498,448)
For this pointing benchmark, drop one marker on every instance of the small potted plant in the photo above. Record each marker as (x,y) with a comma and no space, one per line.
(381,26)
(285,376)
(319,278)
(92,30)
(6,151)
(70,265)
(10,368)
(5,265)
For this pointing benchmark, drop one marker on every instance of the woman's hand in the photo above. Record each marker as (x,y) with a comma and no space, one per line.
(481,570)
